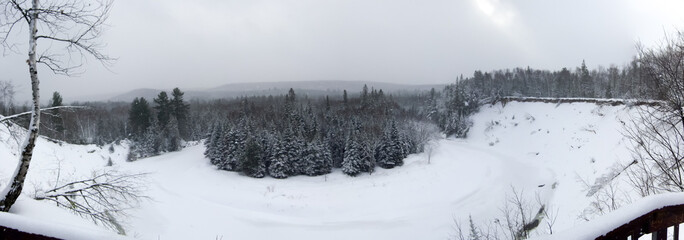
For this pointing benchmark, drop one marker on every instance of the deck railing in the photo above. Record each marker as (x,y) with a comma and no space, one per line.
(655,222)
(7,233)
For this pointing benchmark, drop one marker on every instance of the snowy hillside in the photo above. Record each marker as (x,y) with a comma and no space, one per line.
(542,149)
(576,143)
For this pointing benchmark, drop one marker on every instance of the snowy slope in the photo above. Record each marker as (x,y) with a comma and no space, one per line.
(69,162)
(577,142)
(541,148)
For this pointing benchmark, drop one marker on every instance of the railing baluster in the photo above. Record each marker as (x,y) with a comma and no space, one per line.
(659,234)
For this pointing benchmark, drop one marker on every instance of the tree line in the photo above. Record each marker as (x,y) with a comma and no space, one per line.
(463,97)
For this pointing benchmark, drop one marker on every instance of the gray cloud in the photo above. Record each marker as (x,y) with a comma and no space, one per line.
(205,43)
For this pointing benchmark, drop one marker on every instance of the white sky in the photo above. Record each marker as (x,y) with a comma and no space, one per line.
(205,43)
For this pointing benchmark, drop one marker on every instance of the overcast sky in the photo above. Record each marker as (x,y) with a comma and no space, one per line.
(205,43)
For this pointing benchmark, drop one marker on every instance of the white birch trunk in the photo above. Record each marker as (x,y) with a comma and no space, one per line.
(10,193)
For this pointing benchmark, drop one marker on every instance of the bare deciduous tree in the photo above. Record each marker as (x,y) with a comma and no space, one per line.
(657,133)
(103,198)
(76,25)
(520,216)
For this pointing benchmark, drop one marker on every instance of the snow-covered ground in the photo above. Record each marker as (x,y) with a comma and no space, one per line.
(545,150)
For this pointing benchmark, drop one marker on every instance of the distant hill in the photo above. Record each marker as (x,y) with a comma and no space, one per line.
(309,88)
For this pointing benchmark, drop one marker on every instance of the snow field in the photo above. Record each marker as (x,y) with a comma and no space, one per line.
(540,148)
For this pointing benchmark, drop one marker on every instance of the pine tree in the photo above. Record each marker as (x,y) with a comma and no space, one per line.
(180,112)
(163,107)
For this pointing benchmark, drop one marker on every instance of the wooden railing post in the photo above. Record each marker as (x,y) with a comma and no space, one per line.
(659,234)
(675,234)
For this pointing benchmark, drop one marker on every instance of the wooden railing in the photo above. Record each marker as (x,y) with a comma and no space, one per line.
(655,222)
(11,234)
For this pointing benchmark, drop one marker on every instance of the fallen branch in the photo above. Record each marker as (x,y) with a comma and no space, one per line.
(102,198)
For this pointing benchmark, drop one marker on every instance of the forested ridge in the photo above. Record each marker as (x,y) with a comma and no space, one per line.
(289,134)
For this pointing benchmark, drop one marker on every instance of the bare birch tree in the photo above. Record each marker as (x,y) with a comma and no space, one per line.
(76,26)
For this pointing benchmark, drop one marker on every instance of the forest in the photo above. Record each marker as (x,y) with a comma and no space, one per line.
(289,134)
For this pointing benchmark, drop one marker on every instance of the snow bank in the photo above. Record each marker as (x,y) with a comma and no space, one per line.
(53,228)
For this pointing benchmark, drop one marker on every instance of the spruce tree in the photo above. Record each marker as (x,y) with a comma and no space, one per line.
(251,160)
(352,164)
(390,152)
(139,117)
(586,83)
(212,144)
(317,158)
(172,139)
(150,143)
(278,161)
(234,142)
(292,147)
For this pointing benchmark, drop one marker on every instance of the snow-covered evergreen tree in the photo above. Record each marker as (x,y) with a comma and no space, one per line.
(210,143)
(171,140)
(351,165)
(317,159)
(234,142)
(278,161)
(293,146)
(391,152)
(252,162)
(151,142)
(215,145)
(355,154)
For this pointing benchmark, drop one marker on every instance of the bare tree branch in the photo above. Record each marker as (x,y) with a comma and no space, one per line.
(5,118)
(103,198)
